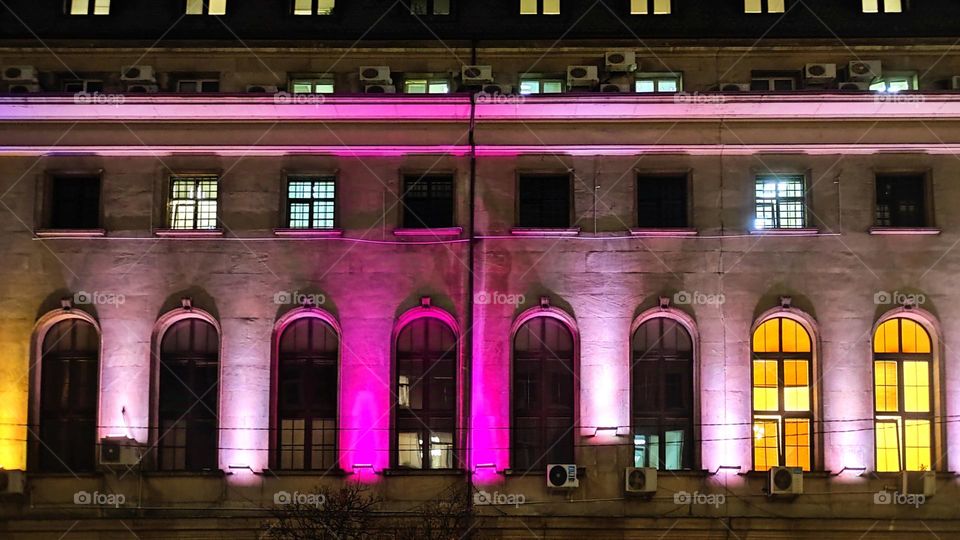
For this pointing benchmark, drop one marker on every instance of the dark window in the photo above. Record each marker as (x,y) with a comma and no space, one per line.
(543,402)
(430,7)
(901,200)
(189,371)
(75,202)
(544,201)
(426,395)
(662,201)
(311,202)
(427,201)
(307,396)
(662,372)
(68,397)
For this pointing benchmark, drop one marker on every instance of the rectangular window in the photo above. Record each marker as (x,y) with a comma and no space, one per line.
(764,6)
(426,86)
(193,202)
(781,202)
(889,6)
(893,82)
(191,86)
(89,86)
(75,202)
(646,7)
(87,7)
(901,200)
(430,7)
(311,202)
(765,385)
(539,7)
(320,85)
(766,444)
(538,85)
(661,201)
(206,7)
(544,201)
(427,201)
(657,83)
(888,445)
(313,7)
(797,443)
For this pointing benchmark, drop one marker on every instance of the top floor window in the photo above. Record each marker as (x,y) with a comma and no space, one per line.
(655,83)
(763,6)
(206,7)
(884,6)
(88,7)
(193,202)
(781,202)
(430,7)
(539,7)
(426,86)
(541,85)
(647,7)
(312,85)
(313,7)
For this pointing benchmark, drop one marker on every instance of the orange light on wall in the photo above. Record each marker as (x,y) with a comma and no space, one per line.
(13,415)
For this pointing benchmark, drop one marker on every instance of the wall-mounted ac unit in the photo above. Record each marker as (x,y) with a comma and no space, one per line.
(820,73)
(734,87)
(143,89)
(19,73)
(582,76)
(375,75)
(620,61)
(476,74)
(855,86)
(918,483)
(262,89)
(23,88)
(785,481)
(865,70)
(380,89)
(137,73)
(497,89)
(610,88)
(640,480)
(562,476)
(119,451)
(12,482)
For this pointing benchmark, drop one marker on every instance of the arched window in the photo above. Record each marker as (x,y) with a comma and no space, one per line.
(187,404)
(426,395)
(903,377)
(543,400)
(307,353)
(662,372)
(69,362)
(782,395)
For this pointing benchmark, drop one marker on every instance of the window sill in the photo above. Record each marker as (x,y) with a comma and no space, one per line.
(447,232)
(308,233)
(311,473)
(666,232)
(57,475)
(189,233)
(424,472)
(70,233)
(545,231)
(807,231)
(904,231)
(208,473)
(581,472)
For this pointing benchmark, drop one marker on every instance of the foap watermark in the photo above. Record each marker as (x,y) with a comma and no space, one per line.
(897,97)
(496,98)
(485,498)
(286,98)
(897,298)
(895,497)
(285,298)
(98,298)
(698,298)
(498,298)
(85,498)
(697,98)
(97,98)
(282,498)
(710,499)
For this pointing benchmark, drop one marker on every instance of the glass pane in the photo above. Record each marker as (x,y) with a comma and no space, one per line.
(194,7)
(551,7)
(797,443)
(885,386)
(661,7)
(916,386)
(325,7)
(528,7)
(552,87)
(645,85)
(766,444)
(101,7)
(415,87)
(439,87)
(441,450)
(753,6)
(796,391)
(638,7)
(674,450)
(302,7)
(79,7)
(871,6)
(410,450)
(218,7)
(302,87)
(765,385)
(529,87)
(888,446)
(667,85)
(918,445)
(892,6)
(775,6)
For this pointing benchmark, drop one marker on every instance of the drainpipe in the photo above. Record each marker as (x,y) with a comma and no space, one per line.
(471,286)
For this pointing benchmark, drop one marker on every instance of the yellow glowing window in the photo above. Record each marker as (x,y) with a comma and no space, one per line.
(796,385)
(551,7)
(917,446)
(642,7)
(889,6)
(885,384)
(83,7)
(916,386)
(206,7)
(901,335)
(797,443)
(313,7)
(757,6)
(766,443)
(765,385)
(888,446)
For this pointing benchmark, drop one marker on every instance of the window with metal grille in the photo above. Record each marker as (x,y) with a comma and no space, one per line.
(544,201)
(193,202)
(543,404)
(425,393)
(427,201)
(901,200)
(781,202)
(313,7)
(206,7)
(662,373)
(430,7)
(311,202)
(307,396)
(68,397)
(187,402)
(75,202)
(661,201)
(88,7)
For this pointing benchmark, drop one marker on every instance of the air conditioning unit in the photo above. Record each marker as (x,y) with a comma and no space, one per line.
(611,88)
(137,73)
(820,73)
(12,482)
(143,89)
(19,73)
(119,451)
(23,88)
(562,476)
(640,480)
(734,87)
(374,75)
(380,89)
(262,89)
(582,76)
(955,82)
(476,74)
(620,61)
(855,86)
(786,481)
(918,483)
(865,71)
(494,89)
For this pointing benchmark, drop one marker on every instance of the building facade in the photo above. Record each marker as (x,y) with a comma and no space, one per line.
(704,254)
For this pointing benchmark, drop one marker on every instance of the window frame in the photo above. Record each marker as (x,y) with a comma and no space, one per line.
(204,9)
(765,8)
(91,8)
(541,173)
(540,9)
(882,7)
(314,80)
(420,174)
(287,177)
(314,10)
(45,197)
(650,8)
(925,177)
(805,199)
(540,79)
(428,80)
(687,180)
(431,9)
(657,77)
(168,197)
